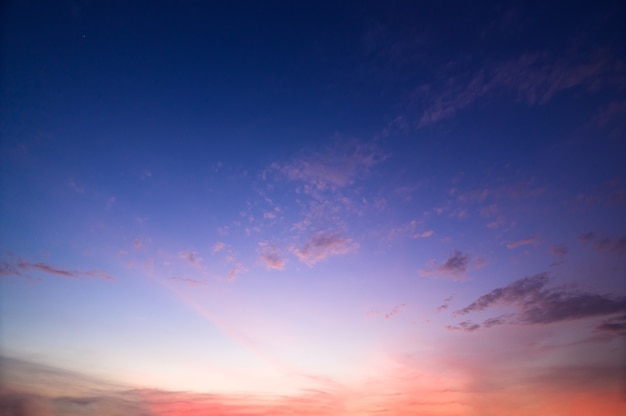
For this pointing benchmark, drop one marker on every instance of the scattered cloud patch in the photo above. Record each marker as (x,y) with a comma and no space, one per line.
(324,244)
(538,304)
(394,311)
(193,259)
(524,242)
(217,247)
(270,257)
(337,167)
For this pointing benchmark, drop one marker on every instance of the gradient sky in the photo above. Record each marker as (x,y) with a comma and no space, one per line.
(313,208)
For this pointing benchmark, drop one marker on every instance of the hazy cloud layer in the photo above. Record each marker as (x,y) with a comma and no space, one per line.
(72,394)
(538,304)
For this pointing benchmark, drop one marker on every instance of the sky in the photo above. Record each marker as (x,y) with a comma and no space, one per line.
(312,208)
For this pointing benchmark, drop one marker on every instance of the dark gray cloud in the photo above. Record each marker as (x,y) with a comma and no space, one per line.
(20,268)
(539,304)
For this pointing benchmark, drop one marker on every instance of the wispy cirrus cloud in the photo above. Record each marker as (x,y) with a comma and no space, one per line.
(536,303)
(523,242)
(324,244)
(21,268)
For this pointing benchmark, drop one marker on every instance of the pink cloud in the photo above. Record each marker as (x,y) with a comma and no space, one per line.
(217,247)
(270,257)
(322,245)
(190,257)
(524,242)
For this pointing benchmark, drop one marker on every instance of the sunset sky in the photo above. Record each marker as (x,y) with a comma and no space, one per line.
(312,208)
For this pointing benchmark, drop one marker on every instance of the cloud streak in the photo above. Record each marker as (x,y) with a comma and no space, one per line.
(524,242)
(22,268)
(538,304)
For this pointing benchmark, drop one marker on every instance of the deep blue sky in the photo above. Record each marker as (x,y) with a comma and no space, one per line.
(291,197)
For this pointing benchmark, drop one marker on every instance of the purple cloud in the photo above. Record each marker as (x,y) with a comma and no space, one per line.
(324,244)
(20,268)
(538,304)
(445,304)
(455,266)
